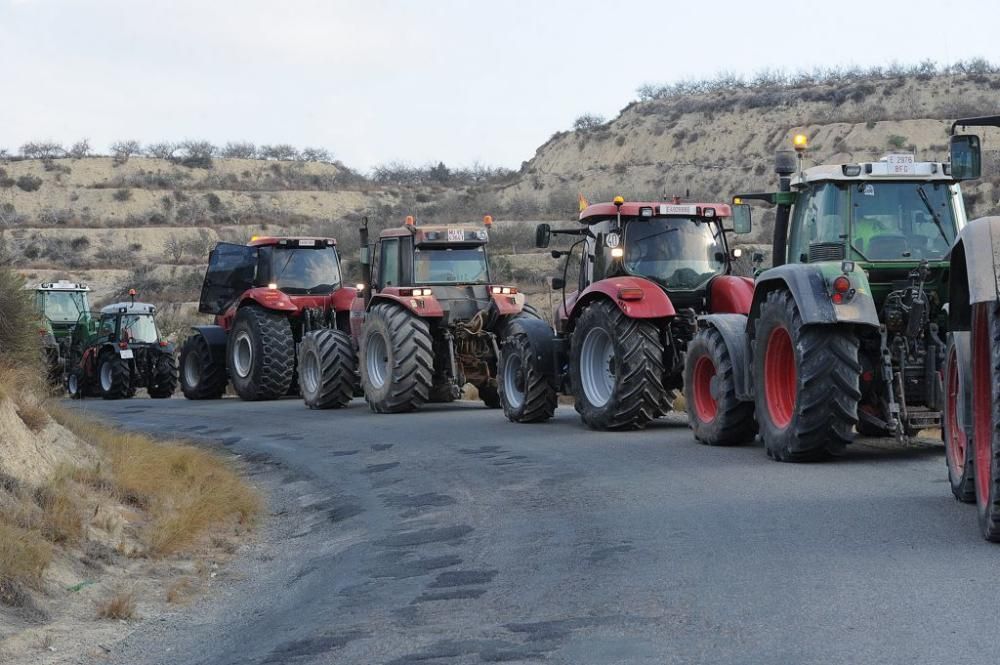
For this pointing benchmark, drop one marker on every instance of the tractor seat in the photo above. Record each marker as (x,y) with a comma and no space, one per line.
(887,246)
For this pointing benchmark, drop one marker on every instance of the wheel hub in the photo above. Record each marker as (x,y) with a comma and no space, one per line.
(597,369)
(513,381)
(310,372)
(192,369)
(243,354)
(106,378)
(376,359)
(704,379)
(780,377)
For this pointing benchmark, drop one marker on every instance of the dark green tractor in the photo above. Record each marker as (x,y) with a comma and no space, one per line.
(847,330)
(119,351)
(61,306)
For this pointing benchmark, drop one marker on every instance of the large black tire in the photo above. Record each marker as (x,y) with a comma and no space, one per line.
(328,369)
(201,376)
(526,393)
(163,382)
(957,452)
(616,368)
(715,415)
(114,376)
(986,416)
(397,359)
(806,382)
(260,354)
(75,384)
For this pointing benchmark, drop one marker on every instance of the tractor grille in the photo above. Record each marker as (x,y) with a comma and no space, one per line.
(826,251)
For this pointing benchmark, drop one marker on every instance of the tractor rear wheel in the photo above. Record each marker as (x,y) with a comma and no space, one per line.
(526,394)
(261,354)
(328,369)
(986,416)
(807,383)
(115,376)
(163,382)
(616,368)
(957,452)
(716,416)
(74,384)
(201,376)
(397,359)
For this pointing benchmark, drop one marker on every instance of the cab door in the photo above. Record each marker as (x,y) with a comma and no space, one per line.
(231,271)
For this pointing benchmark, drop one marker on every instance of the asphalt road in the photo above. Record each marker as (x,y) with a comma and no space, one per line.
(454,536)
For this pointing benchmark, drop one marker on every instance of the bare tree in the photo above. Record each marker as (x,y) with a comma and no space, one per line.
(315,155)
(280,152)
(80,149)
(588,121)
(122,150)
(239,150)
(173,248)
(162,150)
(198,154)
(42,150)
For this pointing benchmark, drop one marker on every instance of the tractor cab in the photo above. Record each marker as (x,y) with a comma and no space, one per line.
(130,325)
(61,304)
(679,247)
(294,266)
(448,263)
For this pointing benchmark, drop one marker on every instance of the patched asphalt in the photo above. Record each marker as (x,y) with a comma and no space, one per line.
(453,536)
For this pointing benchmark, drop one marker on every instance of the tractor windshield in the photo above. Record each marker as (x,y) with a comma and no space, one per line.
(301,271)
(64,306)
(893,221)
(450,265)
(677,252)
(138,328)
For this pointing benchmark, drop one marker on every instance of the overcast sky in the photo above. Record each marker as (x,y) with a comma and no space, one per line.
(415,81)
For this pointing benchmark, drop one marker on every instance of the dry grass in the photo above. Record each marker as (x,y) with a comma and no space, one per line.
(119,606)
(186,490)
(24,555)
(179,590)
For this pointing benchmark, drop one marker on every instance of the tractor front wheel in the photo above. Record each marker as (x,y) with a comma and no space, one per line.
(163,382)
(806,383)
(397,359)
(716,416)
(328,369)
(261,354)
(201,376)
(526,394)
(986,416)
(74,383)
(616,369)
(957,452)
(115,376)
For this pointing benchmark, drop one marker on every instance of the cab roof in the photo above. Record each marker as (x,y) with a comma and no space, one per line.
(266,241)
(601,211)
(129,308)
(884,169)
(440,233)
(62,285)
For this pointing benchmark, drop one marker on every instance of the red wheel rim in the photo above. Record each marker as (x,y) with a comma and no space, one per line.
(957,445)
(982,404)
(780,377)
(704,404)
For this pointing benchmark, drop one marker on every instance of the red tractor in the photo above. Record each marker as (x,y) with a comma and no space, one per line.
(646,271)
(270,297)
(971,422)
(431,317)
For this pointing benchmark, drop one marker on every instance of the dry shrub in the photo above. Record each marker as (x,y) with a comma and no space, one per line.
(179,590)
(119,606)
(19,340)
(61,520)
(185,489)
(24,555)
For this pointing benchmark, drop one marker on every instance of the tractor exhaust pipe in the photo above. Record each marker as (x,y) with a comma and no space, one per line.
(785,164)
(365,259)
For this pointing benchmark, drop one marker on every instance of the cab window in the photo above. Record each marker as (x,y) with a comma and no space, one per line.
(389,262)
(818,218)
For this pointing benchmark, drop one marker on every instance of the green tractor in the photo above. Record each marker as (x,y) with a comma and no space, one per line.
(61,306)
(120,350)
(846,332)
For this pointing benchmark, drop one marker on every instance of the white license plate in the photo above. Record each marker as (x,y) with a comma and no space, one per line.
(126,354)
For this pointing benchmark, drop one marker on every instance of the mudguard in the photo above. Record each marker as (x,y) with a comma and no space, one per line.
(974,257)
(215,336)
(729,294)
(269,299)
(422,306)
(654,303)
(733,328)
(549,352)
(809,286)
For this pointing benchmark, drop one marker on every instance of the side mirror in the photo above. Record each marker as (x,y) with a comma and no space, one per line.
(741,218)
(966,157)
(543,234)
(558,284)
